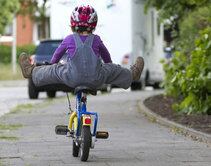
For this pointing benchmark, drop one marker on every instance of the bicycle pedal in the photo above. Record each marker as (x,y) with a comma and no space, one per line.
(102,134)
(61,130)
(70,133)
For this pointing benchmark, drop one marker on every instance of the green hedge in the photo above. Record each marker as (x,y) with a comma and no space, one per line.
(6,52)
(188,74)
(188,78)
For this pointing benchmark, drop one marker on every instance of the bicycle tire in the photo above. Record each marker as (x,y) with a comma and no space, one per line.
(86,140)
(75,150)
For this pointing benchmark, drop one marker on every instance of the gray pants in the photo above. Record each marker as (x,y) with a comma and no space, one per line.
(61,74)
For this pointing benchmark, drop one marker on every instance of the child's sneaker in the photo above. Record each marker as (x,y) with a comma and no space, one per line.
(137,68)
(26,66)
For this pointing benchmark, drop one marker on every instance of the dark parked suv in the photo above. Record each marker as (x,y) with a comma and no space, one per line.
(43,55)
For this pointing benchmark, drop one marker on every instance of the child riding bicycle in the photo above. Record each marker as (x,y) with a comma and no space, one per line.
(85,54)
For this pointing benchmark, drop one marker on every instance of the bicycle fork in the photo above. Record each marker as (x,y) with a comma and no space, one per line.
(80,118)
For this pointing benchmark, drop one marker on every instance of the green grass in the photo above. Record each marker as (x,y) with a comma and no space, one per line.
(22,107)
(10,126)
(6,72)
(8,138)
(35,106)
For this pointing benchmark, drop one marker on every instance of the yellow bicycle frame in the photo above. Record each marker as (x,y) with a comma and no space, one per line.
(73,119)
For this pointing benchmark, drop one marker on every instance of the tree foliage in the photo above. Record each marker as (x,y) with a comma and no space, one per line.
(7,12)
(175,11)
(191,25)
(37,12)
(178,8)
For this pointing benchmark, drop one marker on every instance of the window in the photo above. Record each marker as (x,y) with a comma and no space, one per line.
(44,33)
(8,30)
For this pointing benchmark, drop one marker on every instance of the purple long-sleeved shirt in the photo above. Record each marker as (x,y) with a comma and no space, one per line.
(68,46)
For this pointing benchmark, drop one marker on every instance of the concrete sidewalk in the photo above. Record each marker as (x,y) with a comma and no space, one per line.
(133,141)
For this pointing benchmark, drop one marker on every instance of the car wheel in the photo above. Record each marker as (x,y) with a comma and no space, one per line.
(106,89)
(51,94)
(32,92)
(136,86)
(156,85)
(147,79)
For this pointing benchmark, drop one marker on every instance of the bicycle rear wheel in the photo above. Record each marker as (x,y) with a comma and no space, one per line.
(86,140)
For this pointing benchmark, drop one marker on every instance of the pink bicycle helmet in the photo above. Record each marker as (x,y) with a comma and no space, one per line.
(84,16)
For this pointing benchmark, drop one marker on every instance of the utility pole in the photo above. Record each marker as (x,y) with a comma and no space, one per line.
(14,52)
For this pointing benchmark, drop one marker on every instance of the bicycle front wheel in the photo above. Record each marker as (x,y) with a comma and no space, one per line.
(86,140)
(75,150)
(76,146)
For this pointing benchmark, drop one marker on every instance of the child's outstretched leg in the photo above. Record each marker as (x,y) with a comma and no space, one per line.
(122,77)
(43,75)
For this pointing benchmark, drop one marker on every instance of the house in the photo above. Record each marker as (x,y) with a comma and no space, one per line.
(27,31)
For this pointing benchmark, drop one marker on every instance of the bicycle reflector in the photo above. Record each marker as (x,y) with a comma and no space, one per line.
(87,120)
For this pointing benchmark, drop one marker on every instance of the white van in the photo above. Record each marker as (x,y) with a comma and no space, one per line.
(148,42)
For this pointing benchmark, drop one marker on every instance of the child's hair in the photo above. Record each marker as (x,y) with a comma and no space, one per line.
(81,29)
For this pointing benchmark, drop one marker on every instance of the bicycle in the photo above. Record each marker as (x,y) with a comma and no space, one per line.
(80,126)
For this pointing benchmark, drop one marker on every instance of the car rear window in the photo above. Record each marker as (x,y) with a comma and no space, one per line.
(47,48)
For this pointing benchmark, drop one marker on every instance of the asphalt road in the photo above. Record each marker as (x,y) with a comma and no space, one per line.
(134,140)
(13,93)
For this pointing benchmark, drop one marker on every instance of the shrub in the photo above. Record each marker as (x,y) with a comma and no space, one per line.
(29,49)
(6,52)
(189,77)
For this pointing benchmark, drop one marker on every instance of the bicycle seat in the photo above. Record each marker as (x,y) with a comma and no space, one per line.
(85,89)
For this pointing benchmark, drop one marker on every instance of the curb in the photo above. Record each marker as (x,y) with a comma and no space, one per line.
(189,132)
